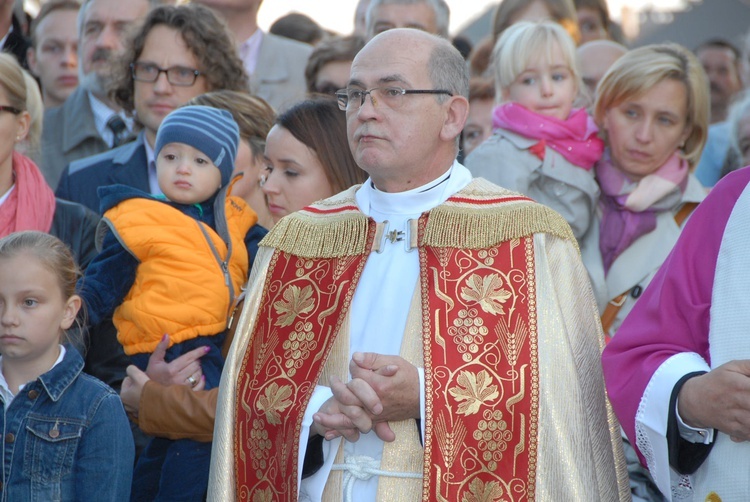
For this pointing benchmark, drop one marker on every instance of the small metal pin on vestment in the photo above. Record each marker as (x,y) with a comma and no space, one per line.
(395,236)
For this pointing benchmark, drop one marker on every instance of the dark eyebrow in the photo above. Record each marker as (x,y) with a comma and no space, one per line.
(388,79)
(355,83)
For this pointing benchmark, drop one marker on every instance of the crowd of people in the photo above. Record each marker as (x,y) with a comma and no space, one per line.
(381,265)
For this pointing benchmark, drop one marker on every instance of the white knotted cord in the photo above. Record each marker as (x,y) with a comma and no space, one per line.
(363,467)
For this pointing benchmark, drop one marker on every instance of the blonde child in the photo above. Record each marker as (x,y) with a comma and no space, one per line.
(541,146)
(176,266)
(66,435)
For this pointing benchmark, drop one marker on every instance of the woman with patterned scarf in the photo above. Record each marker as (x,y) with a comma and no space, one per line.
(652,108)
(26,201)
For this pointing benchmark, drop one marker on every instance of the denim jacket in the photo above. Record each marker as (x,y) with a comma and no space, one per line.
(66,437)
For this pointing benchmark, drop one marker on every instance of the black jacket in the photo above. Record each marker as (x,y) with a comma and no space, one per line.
(17,43)
(75,225)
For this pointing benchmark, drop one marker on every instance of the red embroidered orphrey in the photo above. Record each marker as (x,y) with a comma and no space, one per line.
(481,371)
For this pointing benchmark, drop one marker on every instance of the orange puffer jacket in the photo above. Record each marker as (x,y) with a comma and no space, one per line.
(187,277)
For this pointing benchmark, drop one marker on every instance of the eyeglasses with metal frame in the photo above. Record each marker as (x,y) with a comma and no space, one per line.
(391,97)
(180,76)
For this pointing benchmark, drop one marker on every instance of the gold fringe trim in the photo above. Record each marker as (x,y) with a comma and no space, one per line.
(473,225)
(469,223)
(308,234)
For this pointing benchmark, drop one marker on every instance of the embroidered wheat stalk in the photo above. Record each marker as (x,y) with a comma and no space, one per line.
(449,442)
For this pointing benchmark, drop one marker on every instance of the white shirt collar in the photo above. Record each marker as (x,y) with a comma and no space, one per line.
(250,49)
(5,196)
(5,391)
(102,114)
(413,202)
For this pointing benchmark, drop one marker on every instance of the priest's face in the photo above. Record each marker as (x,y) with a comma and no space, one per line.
(394,137)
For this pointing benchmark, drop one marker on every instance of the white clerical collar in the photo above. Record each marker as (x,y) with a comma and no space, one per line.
(415,201)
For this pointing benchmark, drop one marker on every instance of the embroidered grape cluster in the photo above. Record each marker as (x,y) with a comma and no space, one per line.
(493,436)
(259,447)
(468,332)
(487,256)
(303,265)
(298,346)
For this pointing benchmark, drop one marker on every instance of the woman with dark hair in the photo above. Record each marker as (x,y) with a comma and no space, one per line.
(303,165)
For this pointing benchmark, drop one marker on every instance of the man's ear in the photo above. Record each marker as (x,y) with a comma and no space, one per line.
(455,118)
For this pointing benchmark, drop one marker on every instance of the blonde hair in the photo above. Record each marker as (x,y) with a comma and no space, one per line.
(525,40)
(13,81)
(641,69)
(31,146)
(52,254)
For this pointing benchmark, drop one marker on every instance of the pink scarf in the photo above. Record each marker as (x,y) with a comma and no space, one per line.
(629,209)
(574,138)
(31,204)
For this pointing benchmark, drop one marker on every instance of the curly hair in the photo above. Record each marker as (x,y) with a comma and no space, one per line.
(207,37)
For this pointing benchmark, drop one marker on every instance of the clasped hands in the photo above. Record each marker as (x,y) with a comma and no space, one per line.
(383,388)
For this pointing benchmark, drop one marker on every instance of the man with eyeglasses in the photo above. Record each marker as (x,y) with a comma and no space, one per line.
(178,53)
(89,122)
(423,336)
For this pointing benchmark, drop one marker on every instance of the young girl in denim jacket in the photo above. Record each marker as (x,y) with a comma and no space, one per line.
(65,434)
(541,145)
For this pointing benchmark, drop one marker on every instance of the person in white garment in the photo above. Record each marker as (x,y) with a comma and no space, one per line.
(424,335)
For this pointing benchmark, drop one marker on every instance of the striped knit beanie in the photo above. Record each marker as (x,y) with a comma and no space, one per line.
(210,130)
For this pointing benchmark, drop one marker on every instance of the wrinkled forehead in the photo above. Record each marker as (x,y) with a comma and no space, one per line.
(391,60)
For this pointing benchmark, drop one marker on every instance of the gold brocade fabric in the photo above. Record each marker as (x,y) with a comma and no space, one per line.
(578,455)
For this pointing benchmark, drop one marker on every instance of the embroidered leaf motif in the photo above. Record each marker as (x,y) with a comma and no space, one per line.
(275,400)
(487,291)
(263,495)
(296,301)
(475,390)
(483,492)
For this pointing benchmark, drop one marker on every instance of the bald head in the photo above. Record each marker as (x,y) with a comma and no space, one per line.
(595,58)
(444,64)
(405,139)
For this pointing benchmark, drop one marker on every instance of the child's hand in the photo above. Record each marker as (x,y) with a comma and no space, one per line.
(185,370)
(131,390)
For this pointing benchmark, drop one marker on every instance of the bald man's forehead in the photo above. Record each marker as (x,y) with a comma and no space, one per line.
(386,59)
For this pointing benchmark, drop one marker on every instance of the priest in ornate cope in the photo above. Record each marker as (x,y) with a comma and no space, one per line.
(423,336)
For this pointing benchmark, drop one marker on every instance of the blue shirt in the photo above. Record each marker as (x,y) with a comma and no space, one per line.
(714,153)
(66,437)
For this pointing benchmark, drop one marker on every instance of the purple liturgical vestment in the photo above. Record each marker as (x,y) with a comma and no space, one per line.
(668,333)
